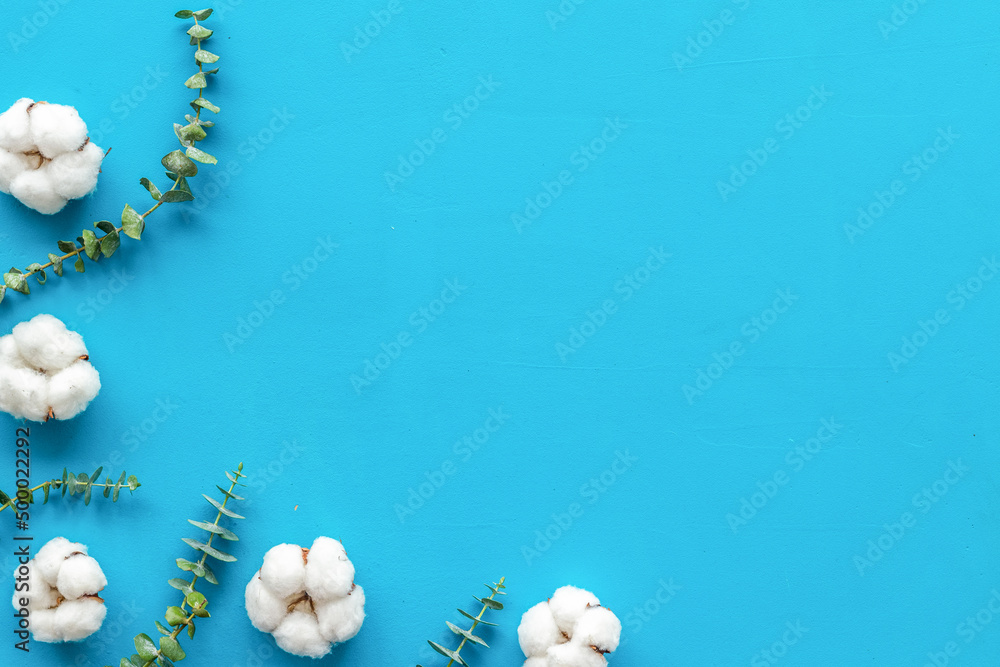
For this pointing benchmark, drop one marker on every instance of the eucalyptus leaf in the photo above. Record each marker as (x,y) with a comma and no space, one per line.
(110,243)
(174,196)
(133,224)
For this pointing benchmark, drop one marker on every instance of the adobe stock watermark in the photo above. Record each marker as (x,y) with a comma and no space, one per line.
(957,298)
(294,278)
(914,168)
(967,631)
(89,308)
(699,42)
(627,286)
(787,126)
(774,653)
(136,435)
(419,321)
(751,330)
(262,476)
(900,16)
(33,23)
(581,159)
(130,100)
(455,116)
(795,459)
(924,501)
(363,36)
(464,449)
(561,13)
(592,492)
(637,618)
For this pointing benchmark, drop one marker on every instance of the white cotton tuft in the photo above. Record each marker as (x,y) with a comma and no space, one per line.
(38,595)
(538,630)
(15,127)
(340,620)
(265,609)
(284,570)
(329,572)
(36,190)
(568,604)
(536,662)
(598,628)
(575,655)
(56,129)
(45,372)
(78,619)
(71,390)
(43,626)
(13,165)
(50,557)
(299,635)
(306,597)
(74,174)
(80,575)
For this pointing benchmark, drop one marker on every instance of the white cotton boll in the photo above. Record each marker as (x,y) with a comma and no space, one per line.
(39,594)
(538,630)
(599,628)
(35,190)
(265,609)
(340,620)
(15,127)
(72,390)
(568,604)
(50,557)
(80,575)
(56,129)
(78,619)
(536,662)
(43,626)
(13,165)
(299,634)
(45,343)
(284,570)
(575,655)
(329,572)
(74,174)
(25,393)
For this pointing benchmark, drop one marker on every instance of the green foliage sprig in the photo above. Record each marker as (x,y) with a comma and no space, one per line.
(466,635)
(193,605)
(81,484)
(180,165)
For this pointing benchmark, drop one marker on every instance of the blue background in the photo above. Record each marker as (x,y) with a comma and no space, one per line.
(306,137)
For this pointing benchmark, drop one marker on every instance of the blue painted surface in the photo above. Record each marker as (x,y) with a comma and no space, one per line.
(765,278)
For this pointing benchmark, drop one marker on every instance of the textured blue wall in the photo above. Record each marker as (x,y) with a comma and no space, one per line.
(719,277)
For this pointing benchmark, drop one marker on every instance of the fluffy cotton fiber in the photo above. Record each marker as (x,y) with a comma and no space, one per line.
(570,629)
(46,158)
(45,372)
(306,598)
(62,595)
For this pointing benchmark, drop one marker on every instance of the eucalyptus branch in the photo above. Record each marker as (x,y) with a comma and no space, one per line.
(81,484)
(193,604)
(466,635)
(180,165)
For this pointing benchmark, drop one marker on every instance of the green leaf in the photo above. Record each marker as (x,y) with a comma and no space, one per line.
(66,246)
(105,226)
(56,263)
(118,486)
(184,14)
(64,478)
(195,600)
(126,662)
(491,604)
(90,244)
(4,498)
(97,474)
(202,14)
(79,265)
(133,483)
(35,269)
(16,281)
(205,104)
(110,243)
(175,615)
(46,490)
(86,494)
(191,629)
(188,566)
(473,618)
(209,575)
(133,224)
(182,585)
(466,633)
(199,32)
(210,550)
(229,494)
(174,196)
(216,529)
(217,505)
(145,647)
(448,653)
(162,630)
(179,163)
(153,190)
(201,156)
(3,291)
(71,485)
(170,648)
(203,56)
(197,81)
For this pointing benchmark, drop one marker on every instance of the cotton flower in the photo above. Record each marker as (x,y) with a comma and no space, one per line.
(60,591)
(306,598)
(570,629)
(46,158)
(45,372)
